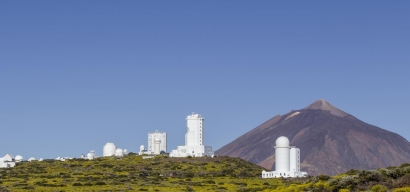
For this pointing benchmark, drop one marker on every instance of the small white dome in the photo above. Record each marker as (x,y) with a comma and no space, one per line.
(157,140)
(142,148)
(109,149)
(41,159)
(119,152)
(125,151)
(282,141)
(90,156)
(18,158)
(31,159)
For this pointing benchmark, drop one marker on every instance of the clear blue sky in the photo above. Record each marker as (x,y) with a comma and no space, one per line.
(77,74)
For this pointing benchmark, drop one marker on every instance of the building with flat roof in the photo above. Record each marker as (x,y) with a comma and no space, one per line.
(194,139)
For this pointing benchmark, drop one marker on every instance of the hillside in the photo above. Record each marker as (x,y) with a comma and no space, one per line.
(132,173)
(331,141)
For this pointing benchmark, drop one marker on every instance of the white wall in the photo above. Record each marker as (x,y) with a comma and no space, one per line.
(194,135)
(282,159)
(294,159)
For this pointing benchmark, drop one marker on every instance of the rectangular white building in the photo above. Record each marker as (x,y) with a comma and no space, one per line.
(294,159)
(194,139)
(7,161)
(151,141)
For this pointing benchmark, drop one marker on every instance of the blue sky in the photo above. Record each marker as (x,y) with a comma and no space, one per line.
(75,75)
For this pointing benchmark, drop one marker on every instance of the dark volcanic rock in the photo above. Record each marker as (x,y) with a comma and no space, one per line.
(331,141)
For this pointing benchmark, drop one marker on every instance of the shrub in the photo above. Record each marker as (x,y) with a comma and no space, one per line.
(379,188)
(100,183)
(189,188)
(323,177)
(403,181)
(407,189)
(352,172)
(208,181)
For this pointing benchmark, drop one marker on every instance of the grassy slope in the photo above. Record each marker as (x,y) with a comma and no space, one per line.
(133,173)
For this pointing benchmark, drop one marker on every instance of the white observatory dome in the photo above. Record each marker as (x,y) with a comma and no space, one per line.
(157,140)
(125,151)
(119,152)
(18,158)
(282,141)
(31,159)
(109,149)
(142,148)
(90,156)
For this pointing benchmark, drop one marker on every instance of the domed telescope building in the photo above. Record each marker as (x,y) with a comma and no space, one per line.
(109,150)
(287,161)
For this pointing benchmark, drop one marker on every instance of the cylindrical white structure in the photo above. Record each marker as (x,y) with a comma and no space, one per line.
(119,152)
(157,146)
(142,148)
(109,149)
(125,152)
(282,152)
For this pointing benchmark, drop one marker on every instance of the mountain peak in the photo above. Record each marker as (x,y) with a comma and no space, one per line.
(326,106)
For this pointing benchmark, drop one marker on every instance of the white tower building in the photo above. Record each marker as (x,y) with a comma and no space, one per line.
(194,135)
(287,161)
(194,139)
(109,150)
(157,147)
(151,141)
(282,154)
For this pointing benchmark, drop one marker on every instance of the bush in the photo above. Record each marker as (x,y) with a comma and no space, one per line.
(100,183)
(323,177)
(188,188)
(379,188)
(208,181)
(403,181)
(407,189)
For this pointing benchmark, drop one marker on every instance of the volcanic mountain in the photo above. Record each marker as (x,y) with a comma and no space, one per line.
(330,140)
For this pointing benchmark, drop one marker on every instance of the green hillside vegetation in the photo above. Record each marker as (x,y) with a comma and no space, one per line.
(133,173)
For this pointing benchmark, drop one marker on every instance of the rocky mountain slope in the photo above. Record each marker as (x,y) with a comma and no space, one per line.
(331,141)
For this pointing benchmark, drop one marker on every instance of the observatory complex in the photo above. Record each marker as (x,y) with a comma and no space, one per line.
(194,139)
(287,161)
